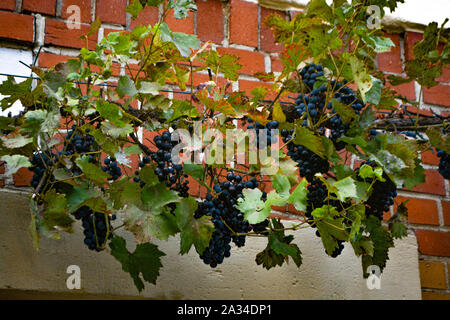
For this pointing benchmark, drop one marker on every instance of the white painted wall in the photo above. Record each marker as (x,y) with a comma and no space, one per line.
(187,277)
(9,64)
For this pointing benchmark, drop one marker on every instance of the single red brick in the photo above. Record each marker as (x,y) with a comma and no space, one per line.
(434,183)
(243,23)
(202,78)
(439,95)
(430,157)
(16,26)
(85,9)
(410,39)
(427,295)
(57,33)
(391,61)
(267,40)
(210,21)
(433,243)
(185,25)
(406,89)
(413,110)
(48,60)
(277,65)
(8,4)
(46,7)
(251,61)
(248,85)
(147,16)
(446,212)
(112,11)
(432,274)
(22,177)
(420,211)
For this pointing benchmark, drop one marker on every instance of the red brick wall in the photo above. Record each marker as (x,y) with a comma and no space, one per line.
(235,27)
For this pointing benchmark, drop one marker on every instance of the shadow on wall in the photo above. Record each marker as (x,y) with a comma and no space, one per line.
(27,273)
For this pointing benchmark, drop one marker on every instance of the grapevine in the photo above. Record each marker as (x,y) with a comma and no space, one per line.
(107,160)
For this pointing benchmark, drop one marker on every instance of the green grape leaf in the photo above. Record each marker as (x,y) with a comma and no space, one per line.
(321,9)
(134,8)
(181,8)
(278,114)
(110,129)
(282,245)
(156,197)
(366,171)
(194,231)
(299,196)
(111,112)
(92,171)
(147,174)
(17,141)
(255,210)
(382,241)
(342,171)
(288,167)
(373,95)
(361,76)
(126,87)
(346,188)
(149,88)
(306,138)
(145,261)
(269,258)
(363,246)
(78,195)
(398,229)
(344,111)
(382,44)
(330,229)
(185,42)
(357,214)
(438,139)
(194,170)
(55,214)
(226,64)
(14,163)
(281,185)
(219,105)
(146,225)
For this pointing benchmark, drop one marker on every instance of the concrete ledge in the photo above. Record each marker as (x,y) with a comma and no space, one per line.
(43,272)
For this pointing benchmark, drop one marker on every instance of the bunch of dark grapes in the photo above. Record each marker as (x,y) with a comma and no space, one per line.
(95,227)
(382,196)
(80,143)
(167,171)
(258,127)
(225,216)
(308,162)
(312,105)
(112,168)
(41,163)
(310,73)
(444,164)
(317,193)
